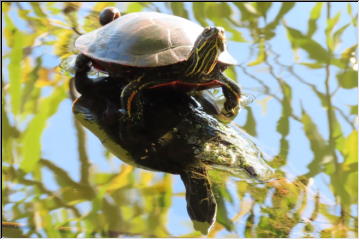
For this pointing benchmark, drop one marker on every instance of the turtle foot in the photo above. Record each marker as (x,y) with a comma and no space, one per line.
(230,110)
(82,66)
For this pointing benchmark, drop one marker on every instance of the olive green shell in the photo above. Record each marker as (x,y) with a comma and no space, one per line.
(144,39)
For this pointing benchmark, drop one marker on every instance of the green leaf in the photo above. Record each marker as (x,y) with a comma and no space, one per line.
(102,178)
(250,124)
(285,8)
(231,73)
(37,10)
(9,134)
(16,56)
(316,11)
(337,36)
(222,215)
(246,15)
(250,222)
(31,147)
(318,145)
(332,22)
(29,89)
(262,7)
(354,110)
(261,55)
(349,9)
(136,6)
(350,149)
(314,16)
(283,123)
(345,174)
(348,79)
(313,48)
(349,52)
(322,98)
(328,30)
(313,65)
(62,177)
(199,12)
(326,103)
(284,150)
(5,6)
(218,10)
(251,7)
(178,9)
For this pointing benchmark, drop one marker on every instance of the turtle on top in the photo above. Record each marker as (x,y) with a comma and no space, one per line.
(153,60)
(151,50)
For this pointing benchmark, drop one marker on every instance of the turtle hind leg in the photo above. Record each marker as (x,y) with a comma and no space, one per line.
(201,204)
(82,66)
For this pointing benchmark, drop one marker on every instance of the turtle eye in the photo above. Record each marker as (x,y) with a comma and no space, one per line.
(251,171)
(207,31)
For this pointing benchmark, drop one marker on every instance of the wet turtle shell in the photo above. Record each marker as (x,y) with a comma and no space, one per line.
(144,39)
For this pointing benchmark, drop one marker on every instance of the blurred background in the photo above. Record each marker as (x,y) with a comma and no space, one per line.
(298,59)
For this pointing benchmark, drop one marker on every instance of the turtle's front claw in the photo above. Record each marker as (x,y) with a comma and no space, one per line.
(231,108)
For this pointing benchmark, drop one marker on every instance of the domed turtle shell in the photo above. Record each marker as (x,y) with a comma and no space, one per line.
(144,39)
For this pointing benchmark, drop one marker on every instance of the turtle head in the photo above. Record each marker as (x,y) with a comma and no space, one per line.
(207,48)
(82,108)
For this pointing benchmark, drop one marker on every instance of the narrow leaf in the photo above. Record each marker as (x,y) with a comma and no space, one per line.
(314,16)
(31,147)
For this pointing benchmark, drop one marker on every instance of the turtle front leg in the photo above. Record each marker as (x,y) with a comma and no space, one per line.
(82,66)
(201,204)
(232,95)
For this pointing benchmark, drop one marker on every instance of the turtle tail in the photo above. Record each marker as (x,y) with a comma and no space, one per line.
(201,204)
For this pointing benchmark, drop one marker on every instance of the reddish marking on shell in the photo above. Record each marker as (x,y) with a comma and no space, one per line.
(190,86)
(98,66)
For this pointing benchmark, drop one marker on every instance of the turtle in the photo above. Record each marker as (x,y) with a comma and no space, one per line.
(156,50)
(183,138)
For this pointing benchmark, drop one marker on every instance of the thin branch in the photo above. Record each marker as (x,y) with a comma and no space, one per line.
(345,117)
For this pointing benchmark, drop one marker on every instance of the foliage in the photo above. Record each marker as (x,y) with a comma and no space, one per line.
(133,202)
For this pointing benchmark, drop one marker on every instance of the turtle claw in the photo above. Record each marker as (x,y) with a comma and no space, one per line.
(229,113)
